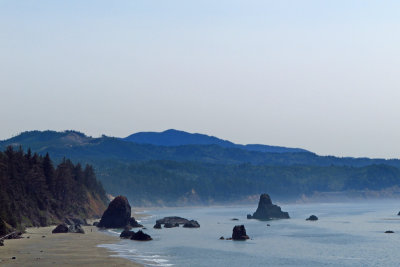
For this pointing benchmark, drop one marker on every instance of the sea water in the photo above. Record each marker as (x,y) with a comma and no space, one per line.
(346,234)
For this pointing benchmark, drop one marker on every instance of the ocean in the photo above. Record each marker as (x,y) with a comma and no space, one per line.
(346,234)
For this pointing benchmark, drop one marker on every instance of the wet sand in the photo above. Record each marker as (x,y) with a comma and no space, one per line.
(68,249)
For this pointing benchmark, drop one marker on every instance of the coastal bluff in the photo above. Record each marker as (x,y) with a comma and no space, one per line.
(268,211)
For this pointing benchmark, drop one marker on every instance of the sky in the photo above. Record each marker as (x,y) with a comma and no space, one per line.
(320,75)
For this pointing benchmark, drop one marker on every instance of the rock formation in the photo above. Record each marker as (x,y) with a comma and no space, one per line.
(133,223)
(191,224)
(126,234)
(239,233)
(140,236)
(61,228)
(172,220)
(312,218)
(171,225)
(268,211)
(117,215)
(157,226)
(76,228)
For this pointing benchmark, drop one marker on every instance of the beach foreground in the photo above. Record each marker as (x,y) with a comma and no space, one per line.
(68,249)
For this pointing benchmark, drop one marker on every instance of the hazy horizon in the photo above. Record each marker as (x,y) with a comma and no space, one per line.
(309,74)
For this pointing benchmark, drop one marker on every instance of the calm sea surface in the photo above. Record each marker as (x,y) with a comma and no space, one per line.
(346,234)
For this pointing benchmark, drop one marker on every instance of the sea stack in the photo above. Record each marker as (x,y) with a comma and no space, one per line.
(239,233)
(117,215)
(268,211)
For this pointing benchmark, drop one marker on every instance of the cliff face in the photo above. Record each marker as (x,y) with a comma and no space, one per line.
(34,193)
(268,211)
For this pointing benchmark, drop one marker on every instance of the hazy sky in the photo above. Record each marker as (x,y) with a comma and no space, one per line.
(321,75)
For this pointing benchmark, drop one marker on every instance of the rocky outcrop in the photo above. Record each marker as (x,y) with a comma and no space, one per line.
(389,232)
(268,211)
(171,225)
(239,233)
(61,228)
(312,218)
(75,221)
(140,236)
(76,228)
(191,224)
(133,223)
(127,234)
(117,215)
(172,220)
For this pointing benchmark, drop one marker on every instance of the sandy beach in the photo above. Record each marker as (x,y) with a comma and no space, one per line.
(43,248)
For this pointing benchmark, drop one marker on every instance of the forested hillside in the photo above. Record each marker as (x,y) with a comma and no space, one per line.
(204,174)
(180,183)
(35,193)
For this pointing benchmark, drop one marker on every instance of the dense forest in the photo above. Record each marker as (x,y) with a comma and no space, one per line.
(35,193)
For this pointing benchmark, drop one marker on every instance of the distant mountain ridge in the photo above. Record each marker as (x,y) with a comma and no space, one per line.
(174,137)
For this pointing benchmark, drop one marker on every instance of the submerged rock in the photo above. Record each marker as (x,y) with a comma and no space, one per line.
(117,215)
(312,218)
(140,236)
(191,224)
(268,211)
(239,233)
(61,228)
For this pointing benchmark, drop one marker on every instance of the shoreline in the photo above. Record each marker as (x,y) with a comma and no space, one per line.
(69,249)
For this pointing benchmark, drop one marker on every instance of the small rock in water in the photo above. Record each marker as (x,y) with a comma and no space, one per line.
(140,236)
(312,218)
(157,226)
(192,224)
(43,236)
(13,258)
(268,225)
(239,233)
(234,219)
(389,232)
(398,214)
(221,238)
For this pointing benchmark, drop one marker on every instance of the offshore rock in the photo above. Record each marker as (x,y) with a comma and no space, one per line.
(268,211)
(133,223)
(117,215)
(312,218)
(157,226)
(239,233)
(192,224)
(172,220)
(127,234)
(171,225)
(140,236)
